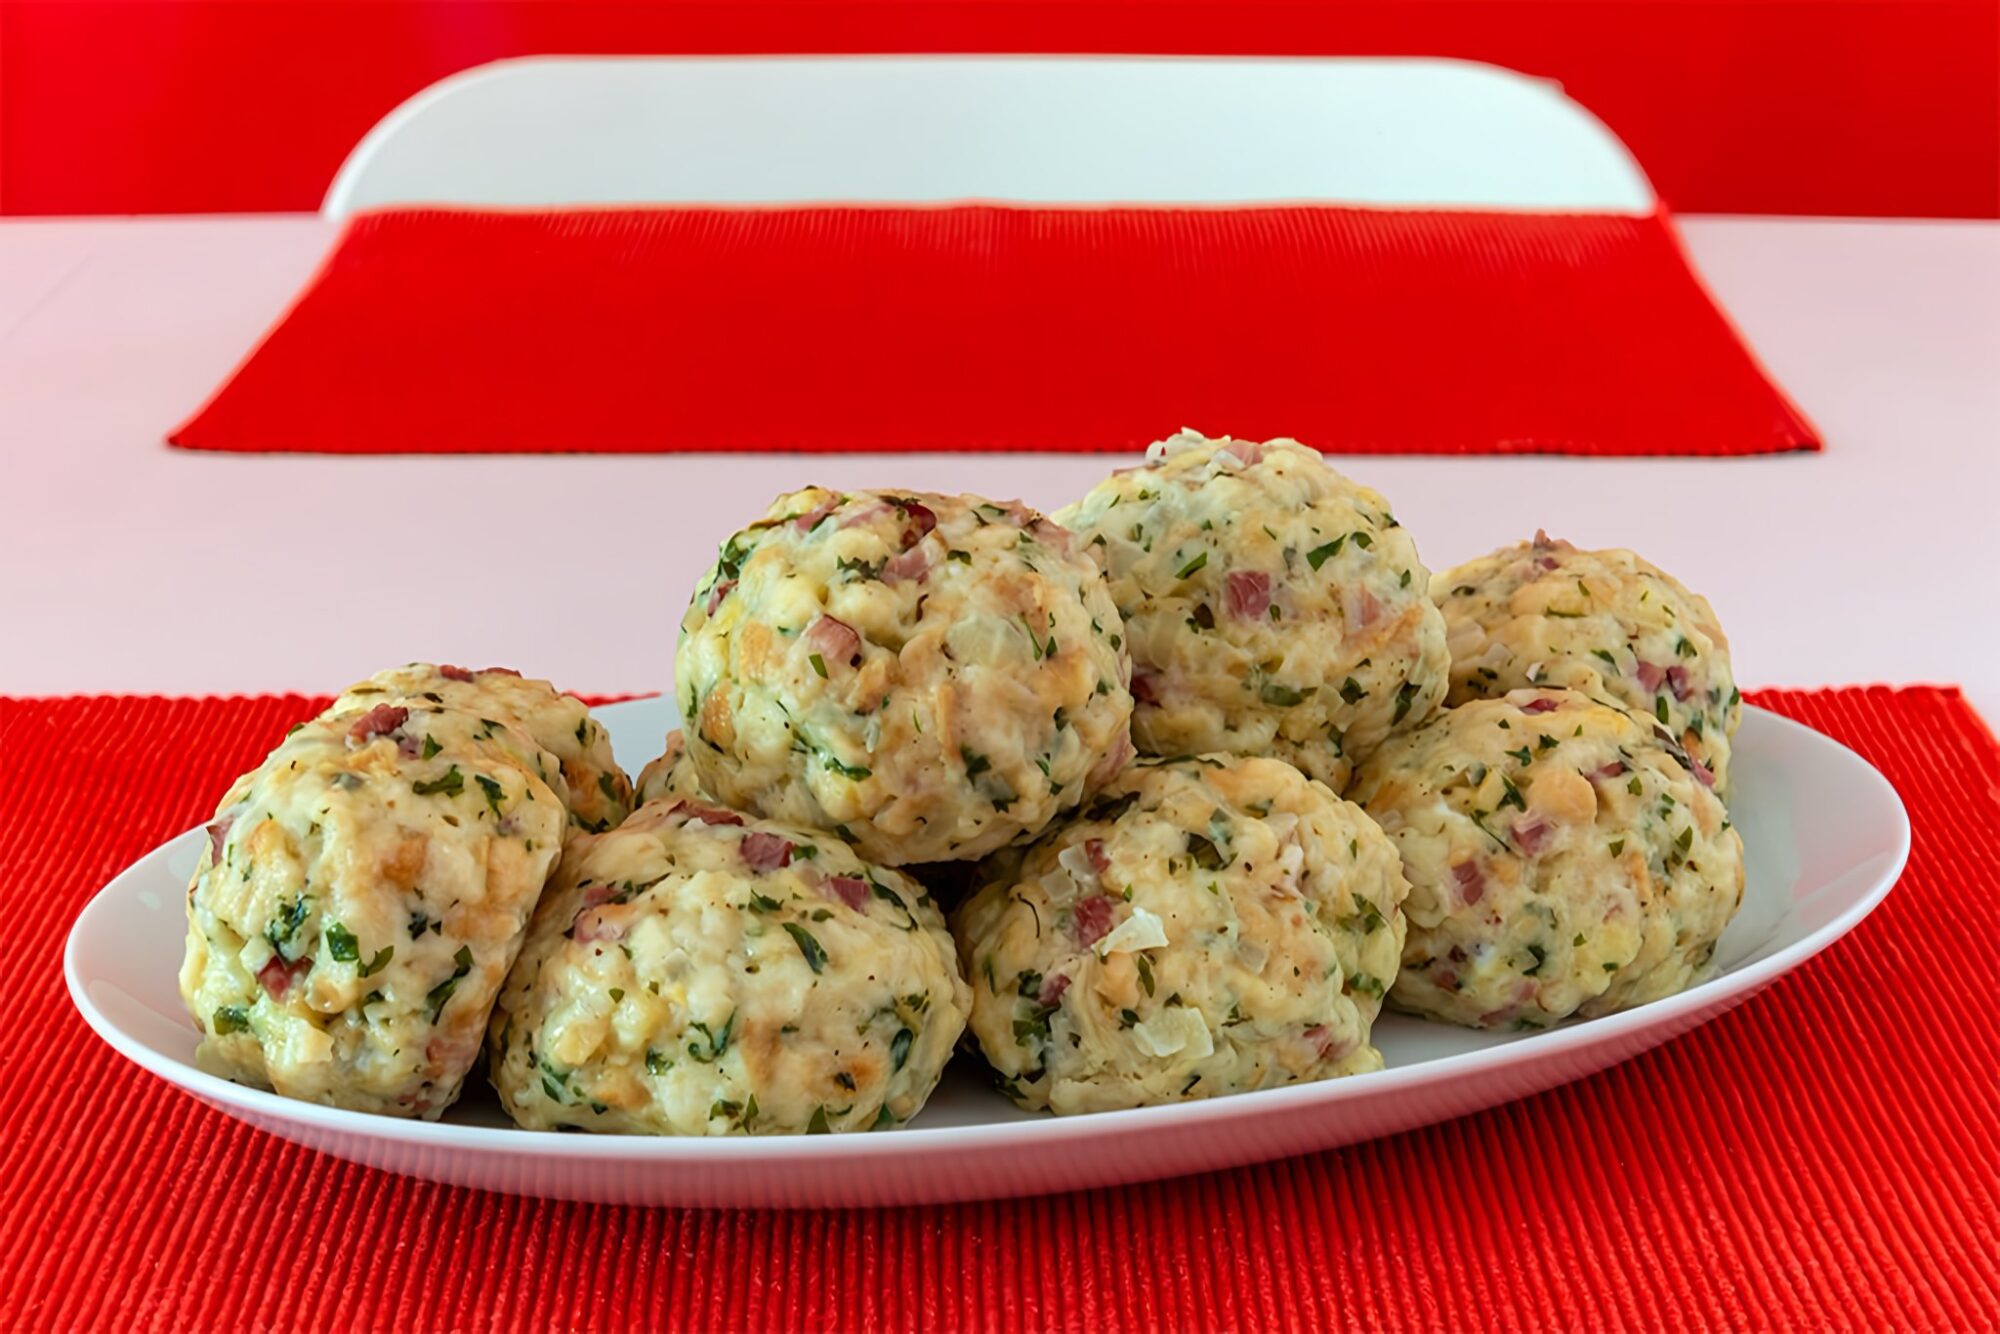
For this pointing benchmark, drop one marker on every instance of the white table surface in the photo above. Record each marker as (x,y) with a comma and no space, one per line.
(126,566)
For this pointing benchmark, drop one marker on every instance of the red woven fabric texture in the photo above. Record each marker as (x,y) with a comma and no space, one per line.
(1001,328)
(1827,1155)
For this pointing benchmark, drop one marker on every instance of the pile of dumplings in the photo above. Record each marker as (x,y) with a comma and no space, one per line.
(1208,768)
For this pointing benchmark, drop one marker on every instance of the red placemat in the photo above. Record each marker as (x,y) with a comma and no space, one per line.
(984,327)
(1826,1155)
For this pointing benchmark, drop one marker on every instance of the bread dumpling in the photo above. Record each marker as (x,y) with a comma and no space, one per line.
(1563,860)
(1271,606)
(929,677)
(699,972)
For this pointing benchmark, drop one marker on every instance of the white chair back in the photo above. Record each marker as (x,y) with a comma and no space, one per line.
(1077,129)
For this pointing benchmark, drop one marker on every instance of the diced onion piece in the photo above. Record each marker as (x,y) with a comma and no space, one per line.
(1142,930)
(1178,1030)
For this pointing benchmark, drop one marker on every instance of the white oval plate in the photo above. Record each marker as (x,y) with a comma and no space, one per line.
(1825,838)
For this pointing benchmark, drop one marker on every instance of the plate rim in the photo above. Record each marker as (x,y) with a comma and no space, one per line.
(1711,996)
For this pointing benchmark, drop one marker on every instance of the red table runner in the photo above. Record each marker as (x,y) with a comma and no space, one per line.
(1826,1155)
(983,327)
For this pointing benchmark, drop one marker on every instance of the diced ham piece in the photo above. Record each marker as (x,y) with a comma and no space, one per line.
(918,522)
(766,852)
(912,564)
(1145,687)
(452,1053)
(1541,706)
(849,889)
(866,514)
(1612,770)
(1471,883)
(1093,919)
(1052,535)
(1052,990)
(451,673)
(594,927)
(702,811)
(217,832)
(1326,1044)
(1677,681)
(1532,835)
(1544,544)
(277,976)
(1249,453)
(1701,772)
(1363,608)
(1019,513)
(834,640)
(812,519)
(1650,676)
(718,593)
(378,721)
(1115,759)
(1093,848)
(1246,593)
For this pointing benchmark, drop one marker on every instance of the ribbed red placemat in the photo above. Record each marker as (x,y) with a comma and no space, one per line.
(1828,1155)
(983,327)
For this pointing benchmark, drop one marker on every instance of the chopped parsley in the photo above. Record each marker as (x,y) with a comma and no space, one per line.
(1319,556)
(450,785)
(854,772)
(494,791)
(808,946)
(230,1019)
(1205,854)
(340,943)
(440,995)
(715,1043)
